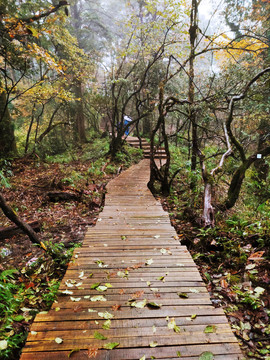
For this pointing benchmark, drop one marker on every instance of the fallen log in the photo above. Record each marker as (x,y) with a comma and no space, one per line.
(56,196)
(8,232)
(7,210)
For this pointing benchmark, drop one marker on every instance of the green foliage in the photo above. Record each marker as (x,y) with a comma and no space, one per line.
(128,155)
(21,300)
(11,299)
(3,180)
(250,297)
(59,253)
(5,173)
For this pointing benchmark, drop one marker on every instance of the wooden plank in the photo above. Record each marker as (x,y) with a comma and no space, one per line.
(129,323)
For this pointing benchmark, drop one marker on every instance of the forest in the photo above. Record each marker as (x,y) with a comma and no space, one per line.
(193,76)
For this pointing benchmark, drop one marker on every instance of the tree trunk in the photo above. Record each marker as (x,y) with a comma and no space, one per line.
(191,91)
(261,166)
(80,134)
(208,210)
(79,114)
(19,222)
(7,137)
(235,186)
(115,145)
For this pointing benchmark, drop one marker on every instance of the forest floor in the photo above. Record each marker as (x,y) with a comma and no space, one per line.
(233,265)
(233,259)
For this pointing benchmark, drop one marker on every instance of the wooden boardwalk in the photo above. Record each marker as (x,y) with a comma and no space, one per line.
(134,251)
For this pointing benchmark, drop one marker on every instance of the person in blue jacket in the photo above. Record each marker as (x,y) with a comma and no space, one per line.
(127,120)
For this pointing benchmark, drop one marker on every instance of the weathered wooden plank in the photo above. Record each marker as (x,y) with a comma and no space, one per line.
(131,342)
(126,332)
(133,313)
(129,323)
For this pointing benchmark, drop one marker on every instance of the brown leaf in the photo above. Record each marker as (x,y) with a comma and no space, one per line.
(121,291)
(137,294)
(256,256)
(116,307)
(77,308)
(137,266)
(92,352)
(224,284)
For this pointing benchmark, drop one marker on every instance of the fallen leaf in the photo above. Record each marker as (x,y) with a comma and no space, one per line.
(224,284)
(90,275)
(209,329)
(195,291)
(178,354)
(121,292)
(183,295)
(106,315)
(108,285)
(153,305)
(172,325)
(156,236)
(81,274)
(138,304)
(154,289)
(154,329)
(74,299)
(32,333)
(137,294)
(143,358)
(259,291)
(57,309)
(122,274)
(94,286)
(153,344)
(193,316)
(98,298)
(3,344)
(148,283)
(101,264)
(99,336)
(92,310)
(256,256)
(77,308)
(207,355)
(101,288)
(67,292)
(107,325)
(116,307)
(149,262)
(161,278)
(70,283)
(111,346)
(92,353)
(58,340)
(72,352)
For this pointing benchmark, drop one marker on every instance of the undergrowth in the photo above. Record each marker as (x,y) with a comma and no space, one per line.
(233,257)
(26,292)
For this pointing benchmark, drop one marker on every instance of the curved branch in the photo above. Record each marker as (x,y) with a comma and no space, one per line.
(233,139)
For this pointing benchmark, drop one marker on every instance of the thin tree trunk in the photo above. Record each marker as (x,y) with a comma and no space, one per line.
(191,92)
(29,129)
(208,210)
(79,114)
(7,137)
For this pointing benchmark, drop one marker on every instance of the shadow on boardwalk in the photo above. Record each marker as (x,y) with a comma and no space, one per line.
(135,285)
